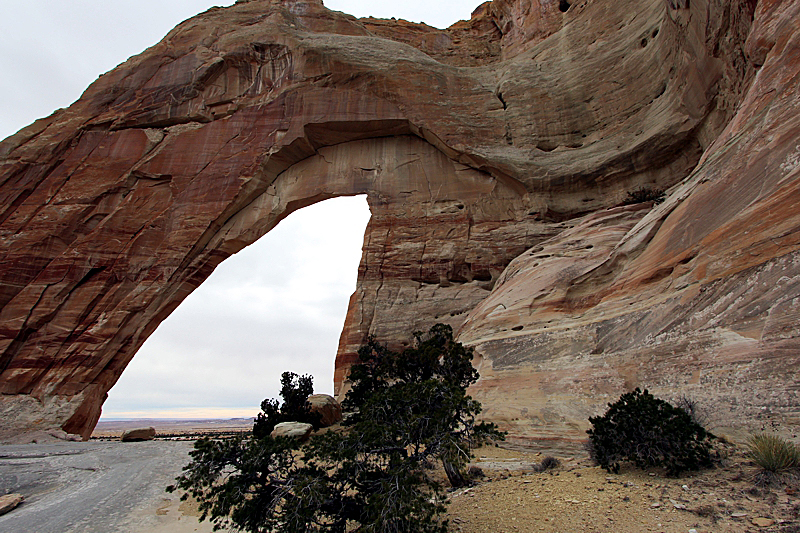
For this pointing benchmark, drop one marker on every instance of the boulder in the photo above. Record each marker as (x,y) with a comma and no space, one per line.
(329,409)
(9,502)
(138,434)
(299,430)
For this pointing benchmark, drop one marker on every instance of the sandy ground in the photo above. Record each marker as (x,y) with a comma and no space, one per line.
(579,497)
(173,516)
(511,498)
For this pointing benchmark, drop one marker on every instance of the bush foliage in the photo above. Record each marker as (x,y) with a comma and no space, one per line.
(295,391)
(548,463)
(648,432)
(408,409)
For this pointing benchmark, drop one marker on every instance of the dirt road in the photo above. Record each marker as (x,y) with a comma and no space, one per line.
(75,487)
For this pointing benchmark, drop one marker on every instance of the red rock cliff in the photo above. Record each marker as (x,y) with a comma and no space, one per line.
(503,140)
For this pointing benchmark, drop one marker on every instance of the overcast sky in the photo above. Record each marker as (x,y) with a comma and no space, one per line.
(224,349)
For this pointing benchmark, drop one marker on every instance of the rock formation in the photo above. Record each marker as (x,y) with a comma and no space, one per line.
(298,430)
(328,408)
(9,502)
(138,434)
(494,154)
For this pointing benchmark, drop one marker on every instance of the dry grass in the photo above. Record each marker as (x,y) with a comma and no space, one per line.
(777,458)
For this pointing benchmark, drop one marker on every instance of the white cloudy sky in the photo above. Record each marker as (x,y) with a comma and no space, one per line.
(278,304)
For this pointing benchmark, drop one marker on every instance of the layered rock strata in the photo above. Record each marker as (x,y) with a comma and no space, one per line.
(523,127)
(698,298)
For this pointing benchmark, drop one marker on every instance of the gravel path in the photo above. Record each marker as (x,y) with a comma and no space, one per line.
(75,487)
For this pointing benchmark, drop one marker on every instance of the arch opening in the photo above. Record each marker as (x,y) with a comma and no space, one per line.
(278,304)
(440,234)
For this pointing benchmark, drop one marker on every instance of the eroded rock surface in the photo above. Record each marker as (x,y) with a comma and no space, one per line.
(509,140)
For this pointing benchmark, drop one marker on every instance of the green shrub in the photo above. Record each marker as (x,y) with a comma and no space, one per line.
(775,456)
(408,410)
(547,463)
(295,391)
(645,194)
(648,432)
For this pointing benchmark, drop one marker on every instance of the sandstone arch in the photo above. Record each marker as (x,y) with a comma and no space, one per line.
(520,127)
(418,196)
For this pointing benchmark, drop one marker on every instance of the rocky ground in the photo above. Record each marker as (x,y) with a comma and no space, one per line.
(60,479)
(581,497)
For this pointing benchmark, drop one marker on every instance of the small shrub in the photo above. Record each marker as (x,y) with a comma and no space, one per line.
(693,408)
(547,463)
(475,472)
(775,456)
(645,194)
(648,432)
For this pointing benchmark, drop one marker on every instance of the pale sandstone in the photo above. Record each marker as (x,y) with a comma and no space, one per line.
(514,131)
(297,430)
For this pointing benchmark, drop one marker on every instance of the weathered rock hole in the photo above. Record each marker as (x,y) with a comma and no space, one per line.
(516,328)
(658,275)
(563,6)
(502,101)
(483,275)
(644,42)
(546,146)
(655,33)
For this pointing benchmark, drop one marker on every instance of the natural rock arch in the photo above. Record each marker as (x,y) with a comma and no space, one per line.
(520,127)
(419,198)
